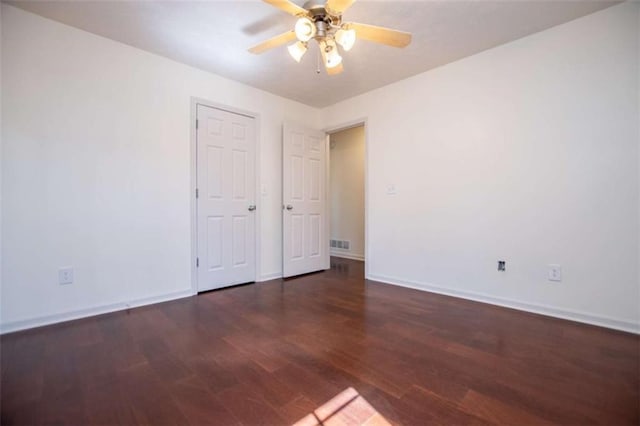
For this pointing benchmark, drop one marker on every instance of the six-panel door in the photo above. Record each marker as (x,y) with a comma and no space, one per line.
(304,200)
(226,228)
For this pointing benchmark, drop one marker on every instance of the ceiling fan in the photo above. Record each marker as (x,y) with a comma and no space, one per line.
(323,22)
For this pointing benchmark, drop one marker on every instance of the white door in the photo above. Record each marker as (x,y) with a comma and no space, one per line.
(225,198)
(304,237)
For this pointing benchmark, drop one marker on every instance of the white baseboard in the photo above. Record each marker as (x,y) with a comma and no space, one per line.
(602,321)
(346,255)
(269,277)
(89,312)
(616,324)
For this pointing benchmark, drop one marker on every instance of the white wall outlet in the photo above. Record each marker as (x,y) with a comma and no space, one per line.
(391,189)
(555,273)
(65,275)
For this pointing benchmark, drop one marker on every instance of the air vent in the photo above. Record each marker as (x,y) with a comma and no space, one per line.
(340,244)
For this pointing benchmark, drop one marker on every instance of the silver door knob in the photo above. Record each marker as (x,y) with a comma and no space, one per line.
(252,208)
(289,207)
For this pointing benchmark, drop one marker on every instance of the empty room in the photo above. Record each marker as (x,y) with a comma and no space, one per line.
(324,212)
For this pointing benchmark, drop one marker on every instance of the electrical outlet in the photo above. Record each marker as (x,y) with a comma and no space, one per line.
(391,189)
(502,265)
(65,275)
(555,273)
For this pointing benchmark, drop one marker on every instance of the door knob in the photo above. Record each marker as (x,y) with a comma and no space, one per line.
(289,207)
(252,208)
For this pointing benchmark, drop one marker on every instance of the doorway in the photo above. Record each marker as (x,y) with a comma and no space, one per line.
(347,159)
(307,197)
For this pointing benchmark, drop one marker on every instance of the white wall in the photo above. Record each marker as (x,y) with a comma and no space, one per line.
(346,186)
(638,118)
(0,161)
(96,170)
(527,152)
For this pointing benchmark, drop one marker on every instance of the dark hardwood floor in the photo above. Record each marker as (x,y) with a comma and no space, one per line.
(271,353)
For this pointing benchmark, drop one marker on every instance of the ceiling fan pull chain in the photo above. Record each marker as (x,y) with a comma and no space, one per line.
(318,62)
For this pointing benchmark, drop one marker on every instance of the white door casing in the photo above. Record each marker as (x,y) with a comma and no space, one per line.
(225,205)
(304,237)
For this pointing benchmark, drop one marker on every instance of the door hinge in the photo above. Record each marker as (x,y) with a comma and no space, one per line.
(197,193)
(197,262)
(196,124)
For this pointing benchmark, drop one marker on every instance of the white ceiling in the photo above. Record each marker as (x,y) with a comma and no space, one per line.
(215,35)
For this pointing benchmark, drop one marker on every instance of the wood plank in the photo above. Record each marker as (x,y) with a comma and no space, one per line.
(274,352)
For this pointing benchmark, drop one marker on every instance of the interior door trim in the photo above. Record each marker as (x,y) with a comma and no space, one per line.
(195,101)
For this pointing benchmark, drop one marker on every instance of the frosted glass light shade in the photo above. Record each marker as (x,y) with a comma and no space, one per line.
(332,57)
(346,38)
(305,29)
(297,50)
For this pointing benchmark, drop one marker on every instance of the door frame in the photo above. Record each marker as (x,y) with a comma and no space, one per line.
(192,187)
(335,129)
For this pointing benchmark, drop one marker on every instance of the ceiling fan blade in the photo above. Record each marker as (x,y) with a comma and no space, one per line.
(381,35)
(288,7)
(335,70)
(276,41)
(338,7)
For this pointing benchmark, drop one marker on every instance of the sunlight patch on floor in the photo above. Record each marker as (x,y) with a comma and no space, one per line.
(346,408)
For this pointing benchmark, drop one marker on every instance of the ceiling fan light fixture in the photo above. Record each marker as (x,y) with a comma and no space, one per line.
(321,20)
(305,29)
(346,38)
(331,58)
(297,50)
